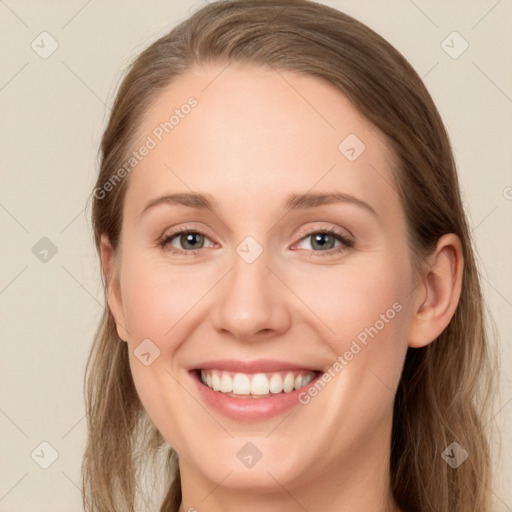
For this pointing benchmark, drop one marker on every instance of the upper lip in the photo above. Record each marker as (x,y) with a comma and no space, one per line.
(257,366)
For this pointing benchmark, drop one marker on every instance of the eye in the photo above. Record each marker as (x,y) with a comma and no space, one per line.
(191,241)
(323,242)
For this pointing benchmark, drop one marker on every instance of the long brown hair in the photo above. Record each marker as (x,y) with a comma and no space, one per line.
(446,388)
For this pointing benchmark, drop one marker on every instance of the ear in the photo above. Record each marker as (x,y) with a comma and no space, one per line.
(110,271)
(437,297)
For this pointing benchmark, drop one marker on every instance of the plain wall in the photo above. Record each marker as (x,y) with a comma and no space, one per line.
(53,114)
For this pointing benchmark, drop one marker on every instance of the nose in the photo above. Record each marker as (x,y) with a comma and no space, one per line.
(252,302)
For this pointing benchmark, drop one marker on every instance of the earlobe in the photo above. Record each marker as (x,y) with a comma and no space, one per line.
(110,271)
(438,296)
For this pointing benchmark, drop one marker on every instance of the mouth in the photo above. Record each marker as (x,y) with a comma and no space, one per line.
(253,391)
(255,385)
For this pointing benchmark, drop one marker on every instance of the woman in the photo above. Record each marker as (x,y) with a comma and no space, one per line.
(294,318)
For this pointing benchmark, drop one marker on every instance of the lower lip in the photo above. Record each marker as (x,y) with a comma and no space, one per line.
(250,409)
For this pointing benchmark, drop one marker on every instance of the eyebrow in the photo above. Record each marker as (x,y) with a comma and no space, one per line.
(293,201)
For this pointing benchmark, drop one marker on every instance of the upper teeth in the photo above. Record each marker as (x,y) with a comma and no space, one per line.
(255,384)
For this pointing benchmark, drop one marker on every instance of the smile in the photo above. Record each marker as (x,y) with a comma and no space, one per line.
(251,391)
(256,385)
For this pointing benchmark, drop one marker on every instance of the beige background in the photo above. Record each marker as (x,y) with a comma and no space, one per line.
(53,113)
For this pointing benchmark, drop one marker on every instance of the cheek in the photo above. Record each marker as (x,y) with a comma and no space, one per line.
(352,297)
(154,300)
(152,307)
(365,309)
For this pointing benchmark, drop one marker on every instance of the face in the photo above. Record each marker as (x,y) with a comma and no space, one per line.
(294,308)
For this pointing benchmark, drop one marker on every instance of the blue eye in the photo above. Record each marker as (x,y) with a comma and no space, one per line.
(323,238)
(185,238)
(195,239)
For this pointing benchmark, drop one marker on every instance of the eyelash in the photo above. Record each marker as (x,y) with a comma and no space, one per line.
(346,242)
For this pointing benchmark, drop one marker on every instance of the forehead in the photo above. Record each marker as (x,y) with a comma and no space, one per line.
(255,134)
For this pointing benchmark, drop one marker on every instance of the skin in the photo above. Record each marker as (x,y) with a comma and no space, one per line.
(255,137)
